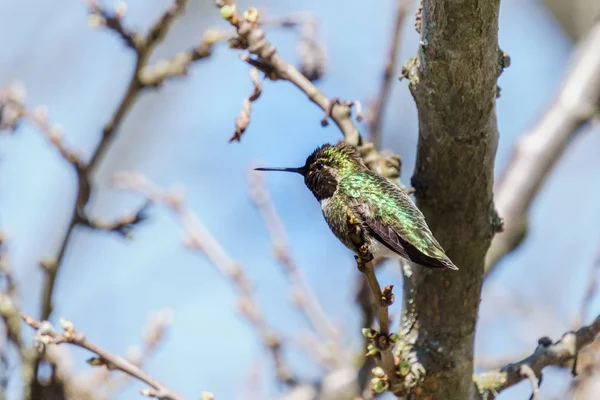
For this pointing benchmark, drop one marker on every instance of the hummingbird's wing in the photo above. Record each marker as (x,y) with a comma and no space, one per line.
(396,221)
(386,235)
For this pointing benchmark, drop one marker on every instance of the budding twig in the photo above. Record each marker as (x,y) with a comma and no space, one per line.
(243,119)
(47,335)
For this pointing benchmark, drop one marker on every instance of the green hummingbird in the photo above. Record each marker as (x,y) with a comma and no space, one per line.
(352,196)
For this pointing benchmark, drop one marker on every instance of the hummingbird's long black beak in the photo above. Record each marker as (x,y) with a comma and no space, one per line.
(301,170)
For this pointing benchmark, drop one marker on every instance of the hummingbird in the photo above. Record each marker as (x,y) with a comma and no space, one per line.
(352,196)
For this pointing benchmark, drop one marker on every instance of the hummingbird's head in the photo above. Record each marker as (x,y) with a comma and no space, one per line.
(325,167)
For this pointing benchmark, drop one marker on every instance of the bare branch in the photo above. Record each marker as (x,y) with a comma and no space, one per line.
(304,297)
(347,103)
(100,17)
(124,225)
(161,27)
(376,110)
(538,150)
(47,335)
(155,75)
(252,37)
(200,239)
(243,119)
(39,119)
(561,353)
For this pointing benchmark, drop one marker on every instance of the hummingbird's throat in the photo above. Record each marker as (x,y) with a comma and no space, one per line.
(321,183)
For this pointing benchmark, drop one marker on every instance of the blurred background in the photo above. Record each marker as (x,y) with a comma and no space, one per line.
(178,135)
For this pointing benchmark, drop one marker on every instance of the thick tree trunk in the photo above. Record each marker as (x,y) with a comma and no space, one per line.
(453,81)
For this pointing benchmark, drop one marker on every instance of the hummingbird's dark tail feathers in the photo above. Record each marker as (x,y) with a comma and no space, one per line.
(419,258)
(435,263)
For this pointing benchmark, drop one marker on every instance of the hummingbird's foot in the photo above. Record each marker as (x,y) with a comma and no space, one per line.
(360,264)
(363,258)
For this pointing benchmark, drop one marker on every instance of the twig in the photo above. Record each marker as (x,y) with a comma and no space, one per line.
(39,118)
(305,298)
(100,17)
(376,110)
(154,75)
(527,372)
(200,239)
(46,335)
(538,150)
(348,103)
(546,354)
(123,225)
(382,341)
(243,119)
(252,36)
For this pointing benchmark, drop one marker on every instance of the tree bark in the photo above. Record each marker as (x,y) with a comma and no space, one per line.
(453,81)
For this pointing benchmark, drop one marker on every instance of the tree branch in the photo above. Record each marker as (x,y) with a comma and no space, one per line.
(561,353)
(536,153)
(252,38)
(46,335)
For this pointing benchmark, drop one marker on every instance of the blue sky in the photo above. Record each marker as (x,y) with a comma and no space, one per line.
(178,136)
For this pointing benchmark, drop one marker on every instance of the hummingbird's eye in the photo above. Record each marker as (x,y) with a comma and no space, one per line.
(320,166)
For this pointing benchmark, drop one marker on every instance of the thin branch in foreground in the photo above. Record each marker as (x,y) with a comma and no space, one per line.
(47,335)
(304,297)
(199,238)
(561,353)
(538,150)
(377,108)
